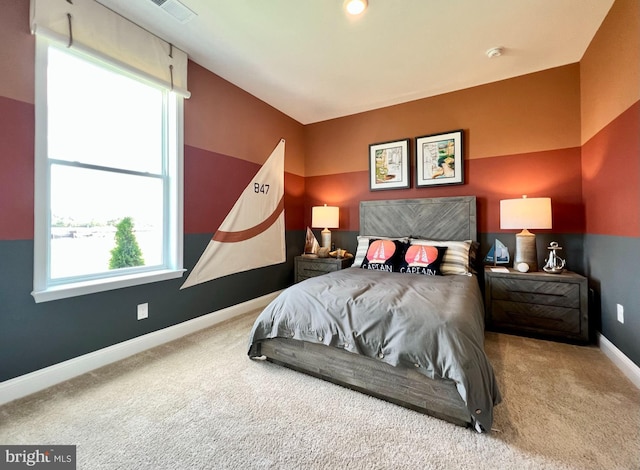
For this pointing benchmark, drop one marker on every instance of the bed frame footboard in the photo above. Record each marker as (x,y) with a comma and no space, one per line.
(402,386)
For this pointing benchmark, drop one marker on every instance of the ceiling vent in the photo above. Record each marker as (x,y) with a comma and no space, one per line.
(176,9)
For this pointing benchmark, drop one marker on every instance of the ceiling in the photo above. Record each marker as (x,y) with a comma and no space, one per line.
(311,61)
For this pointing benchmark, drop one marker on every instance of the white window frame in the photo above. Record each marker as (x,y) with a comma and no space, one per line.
(43,289)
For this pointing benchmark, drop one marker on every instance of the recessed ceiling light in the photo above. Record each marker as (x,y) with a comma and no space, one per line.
(355,7)
(495,52)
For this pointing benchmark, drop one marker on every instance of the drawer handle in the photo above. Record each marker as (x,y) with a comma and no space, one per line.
(535,293)
(518,314)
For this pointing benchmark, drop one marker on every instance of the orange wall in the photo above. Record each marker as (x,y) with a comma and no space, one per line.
(213,183)
(610,68)
(554,173)
(611,177)
(17,52)
(17,57)
(222,118)
(532,113)
(610,78)
(16,177)
(229,133)
(521,136)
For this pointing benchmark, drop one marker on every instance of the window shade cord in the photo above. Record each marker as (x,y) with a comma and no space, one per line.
(171,65)
(70,30)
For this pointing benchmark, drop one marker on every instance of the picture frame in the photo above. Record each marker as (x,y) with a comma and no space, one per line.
(440,159)
(389,165)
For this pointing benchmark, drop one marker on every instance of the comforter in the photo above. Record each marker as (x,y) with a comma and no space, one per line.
(432,323)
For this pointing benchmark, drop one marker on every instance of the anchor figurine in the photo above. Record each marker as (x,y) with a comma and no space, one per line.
(555,264)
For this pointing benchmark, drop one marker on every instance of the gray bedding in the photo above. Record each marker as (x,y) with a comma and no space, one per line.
(432,323)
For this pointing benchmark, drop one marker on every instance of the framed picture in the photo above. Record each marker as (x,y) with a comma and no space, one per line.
(389,165)
(439,159)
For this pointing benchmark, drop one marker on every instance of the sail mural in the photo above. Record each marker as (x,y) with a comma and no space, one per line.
(252,234)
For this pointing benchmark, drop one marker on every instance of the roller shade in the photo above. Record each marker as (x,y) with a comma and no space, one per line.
(88,26)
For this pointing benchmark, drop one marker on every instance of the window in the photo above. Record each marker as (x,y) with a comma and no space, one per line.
(108,176)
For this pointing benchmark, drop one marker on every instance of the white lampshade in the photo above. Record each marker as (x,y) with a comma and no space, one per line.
(325,217)
(526,213)
(523,214)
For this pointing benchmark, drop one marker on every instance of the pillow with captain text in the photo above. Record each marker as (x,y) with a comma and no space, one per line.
(384,255)
(422,259)
(363,246)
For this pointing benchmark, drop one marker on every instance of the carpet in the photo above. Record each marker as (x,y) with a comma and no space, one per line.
(201,403)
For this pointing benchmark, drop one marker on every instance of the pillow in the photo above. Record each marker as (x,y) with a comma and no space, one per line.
(384,255)
(473,257)
(422,259)
(456,258)
(363,246)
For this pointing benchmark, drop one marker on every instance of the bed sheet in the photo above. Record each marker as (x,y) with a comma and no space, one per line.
(434,324)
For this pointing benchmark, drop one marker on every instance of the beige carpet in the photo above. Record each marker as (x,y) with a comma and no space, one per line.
(200,403)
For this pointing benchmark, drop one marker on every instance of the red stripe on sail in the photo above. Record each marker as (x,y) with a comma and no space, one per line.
(231,237)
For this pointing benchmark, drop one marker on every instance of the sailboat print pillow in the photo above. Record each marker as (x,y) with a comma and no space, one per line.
(422,259)
(384,255)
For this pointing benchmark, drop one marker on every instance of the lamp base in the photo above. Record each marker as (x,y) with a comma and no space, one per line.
(326,238)
(526,250)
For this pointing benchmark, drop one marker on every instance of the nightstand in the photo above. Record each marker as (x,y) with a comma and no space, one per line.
(306,267)
(537,303)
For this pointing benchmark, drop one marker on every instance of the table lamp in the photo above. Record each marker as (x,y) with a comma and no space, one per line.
(526,213)
(325,217)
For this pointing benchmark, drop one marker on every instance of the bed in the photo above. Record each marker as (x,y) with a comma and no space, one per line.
(414,340)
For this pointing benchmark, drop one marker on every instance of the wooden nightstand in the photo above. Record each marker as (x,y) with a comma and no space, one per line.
(537,303)
(306,267)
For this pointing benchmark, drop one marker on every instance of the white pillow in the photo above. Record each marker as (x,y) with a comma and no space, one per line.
(363,246)
(456,258)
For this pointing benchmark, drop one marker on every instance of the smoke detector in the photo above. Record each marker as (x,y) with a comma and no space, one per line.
(495,52)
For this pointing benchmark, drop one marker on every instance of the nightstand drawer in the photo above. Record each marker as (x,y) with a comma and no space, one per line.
(306,267)
(315,268)
(535,317)
(537,292)
(537,304)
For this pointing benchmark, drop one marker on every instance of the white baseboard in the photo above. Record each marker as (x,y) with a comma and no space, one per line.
(39,380)
(626,365)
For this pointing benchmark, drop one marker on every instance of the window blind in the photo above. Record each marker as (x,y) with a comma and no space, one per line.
(93,28)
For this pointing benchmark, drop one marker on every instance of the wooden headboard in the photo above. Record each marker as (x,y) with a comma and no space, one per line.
(441,218)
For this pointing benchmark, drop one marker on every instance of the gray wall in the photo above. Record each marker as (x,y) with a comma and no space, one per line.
(34,336)
(613,267)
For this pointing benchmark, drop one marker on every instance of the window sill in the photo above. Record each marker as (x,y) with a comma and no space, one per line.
(101,285)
